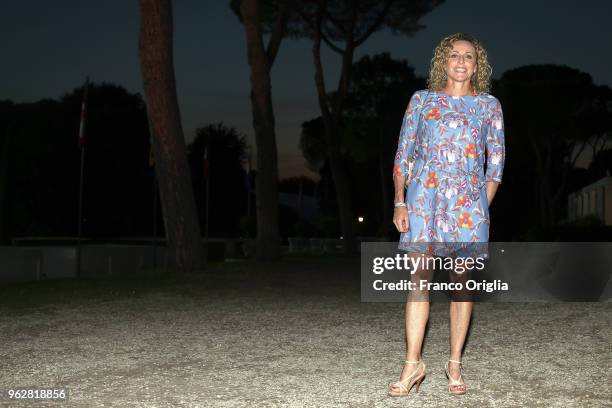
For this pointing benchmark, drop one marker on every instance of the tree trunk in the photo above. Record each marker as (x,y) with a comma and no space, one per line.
(343,195)
(387,214)
(544,204)
(176,191)
(331,120)
(4,155)
(266,183)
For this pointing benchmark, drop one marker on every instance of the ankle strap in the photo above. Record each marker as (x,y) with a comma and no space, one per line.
(455,361)
(412,362)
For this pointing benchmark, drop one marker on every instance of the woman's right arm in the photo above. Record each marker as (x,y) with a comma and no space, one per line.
(403,155)
(400,214)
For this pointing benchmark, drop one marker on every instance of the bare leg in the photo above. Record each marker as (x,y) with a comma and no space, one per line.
(417,314)
(460,314)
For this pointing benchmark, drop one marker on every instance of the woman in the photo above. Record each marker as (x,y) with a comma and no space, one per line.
(451,149)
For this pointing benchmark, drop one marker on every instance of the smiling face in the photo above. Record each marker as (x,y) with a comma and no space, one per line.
(461,61)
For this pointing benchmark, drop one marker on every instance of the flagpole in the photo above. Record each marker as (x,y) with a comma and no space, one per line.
(207,179)
(207,200)
(81,176)
(249,185)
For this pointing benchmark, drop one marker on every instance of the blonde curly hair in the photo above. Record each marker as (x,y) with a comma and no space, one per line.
(437,74)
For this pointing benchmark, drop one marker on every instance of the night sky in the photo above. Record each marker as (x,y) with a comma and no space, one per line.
(49,47)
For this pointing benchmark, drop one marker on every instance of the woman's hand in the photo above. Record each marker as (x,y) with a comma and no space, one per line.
(400,219)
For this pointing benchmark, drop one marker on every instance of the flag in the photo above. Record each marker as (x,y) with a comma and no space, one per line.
(83,113)
(205,162)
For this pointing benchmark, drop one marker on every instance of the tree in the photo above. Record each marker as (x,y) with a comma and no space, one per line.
(40,165)
(40,192)
(260,62)
(343,26)
(378,95)
(226,153)
(376,101)
(176,192)
(118,183)
(552,114)
(348,22)
(312,143)
(313,146)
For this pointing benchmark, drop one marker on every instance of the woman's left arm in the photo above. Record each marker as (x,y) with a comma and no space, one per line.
(496,150)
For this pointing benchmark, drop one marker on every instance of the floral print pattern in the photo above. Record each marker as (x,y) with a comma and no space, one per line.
(455,145)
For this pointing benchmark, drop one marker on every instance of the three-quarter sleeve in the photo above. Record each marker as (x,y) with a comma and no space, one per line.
(495,143)
(407,136)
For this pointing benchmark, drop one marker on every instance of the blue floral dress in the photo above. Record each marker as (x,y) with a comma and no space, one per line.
(456,145)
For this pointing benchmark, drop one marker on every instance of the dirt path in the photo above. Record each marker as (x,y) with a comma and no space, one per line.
(299,346)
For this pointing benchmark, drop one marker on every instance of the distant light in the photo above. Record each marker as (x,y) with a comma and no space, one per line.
(360,219)
(340,236)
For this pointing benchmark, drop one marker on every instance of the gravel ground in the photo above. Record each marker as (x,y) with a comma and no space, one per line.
(298,339)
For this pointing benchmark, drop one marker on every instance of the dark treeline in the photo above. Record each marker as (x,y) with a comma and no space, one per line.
(40,166)
(551,114)
(40,173)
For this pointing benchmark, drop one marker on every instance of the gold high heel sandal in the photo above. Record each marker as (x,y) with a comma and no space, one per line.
(456,387)
(405,385)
